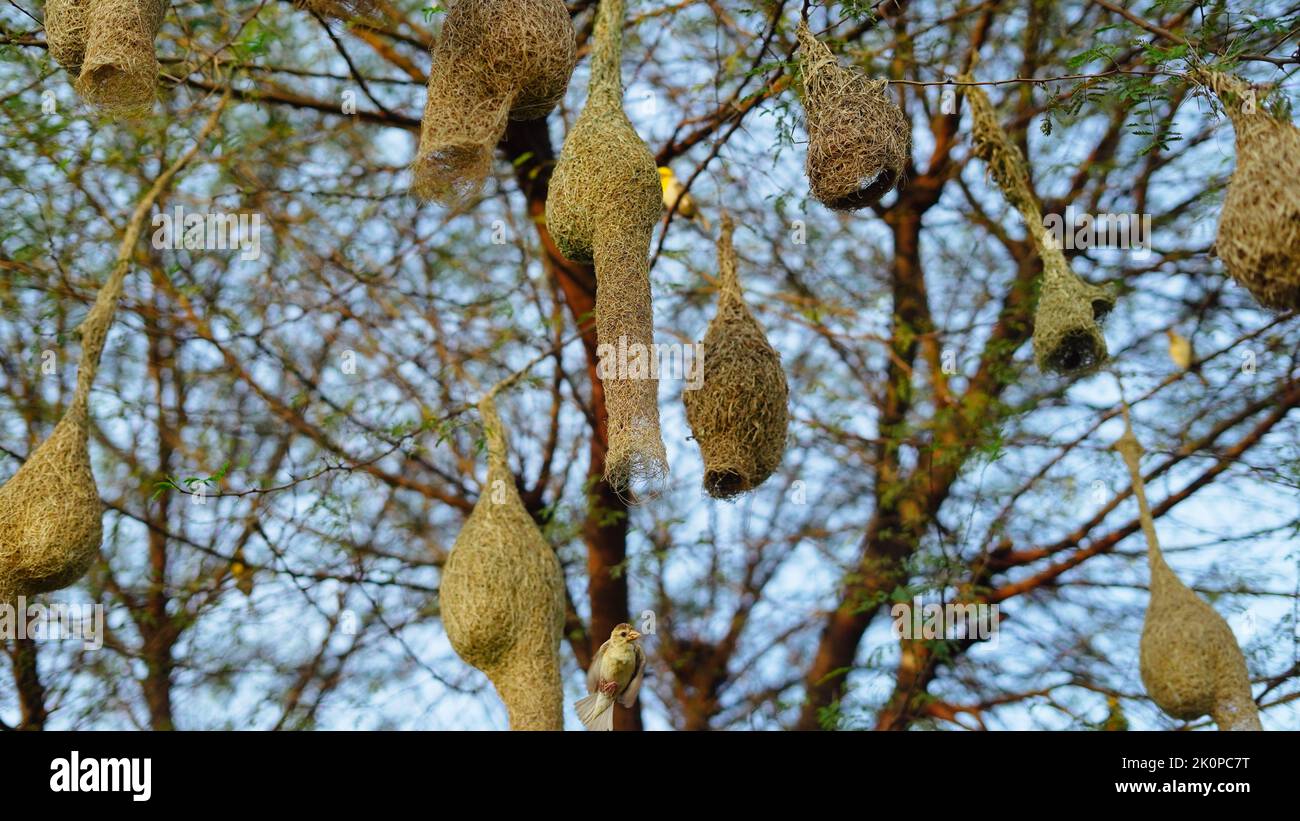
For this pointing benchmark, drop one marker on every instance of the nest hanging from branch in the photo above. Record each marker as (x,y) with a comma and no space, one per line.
(1190,663)
(1259,228)
(502,595)
(1067,323)
(740,414)
(120,71)
(859,140)
(1067,332)
(50,514)
(66,24)
(604,202)
(495,60)
(51,517)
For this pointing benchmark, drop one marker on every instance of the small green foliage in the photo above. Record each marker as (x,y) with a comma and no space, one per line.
(255,41)
(859,10)
(1156,55)
(1104,53)
(828,717)
(191,485)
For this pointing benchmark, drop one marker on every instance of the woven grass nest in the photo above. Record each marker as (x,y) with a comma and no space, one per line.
(66,24)
(1067,322)
(859,140)
(119,70)
(503,595)
(1190,663)
(740,414)
(495,60)
(1259,228)
(50,512)
(604,202)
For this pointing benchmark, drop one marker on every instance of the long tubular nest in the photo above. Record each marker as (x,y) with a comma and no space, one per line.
(604,203)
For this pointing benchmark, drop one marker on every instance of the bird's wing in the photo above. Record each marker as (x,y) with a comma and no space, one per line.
(593,671)
(628,697)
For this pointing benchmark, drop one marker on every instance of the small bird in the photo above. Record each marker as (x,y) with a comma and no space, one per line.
(243,575)
(614,676)
(1183,355)
(675,194)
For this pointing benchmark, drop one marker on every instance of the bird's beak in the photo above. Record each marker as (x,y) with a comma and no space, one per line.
(633,635)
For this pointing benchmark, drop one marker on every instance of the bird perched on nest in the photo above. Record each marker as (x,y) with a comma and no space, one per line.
(1183,355)
(675,194)
(614,676)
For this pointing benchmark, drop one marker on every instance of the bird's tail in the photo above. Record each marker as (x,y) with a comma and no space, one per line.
(703,222)
(596,712)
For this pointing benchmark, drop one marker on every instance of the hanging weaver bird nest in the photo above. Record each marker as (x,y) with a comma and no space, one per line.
(740,413)
(66,24)
(1190,663)
(1259,229)
(495,60)
(503,595)
(50,512)
(604,202)
(859,140)
(120,71)
(1067,330)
